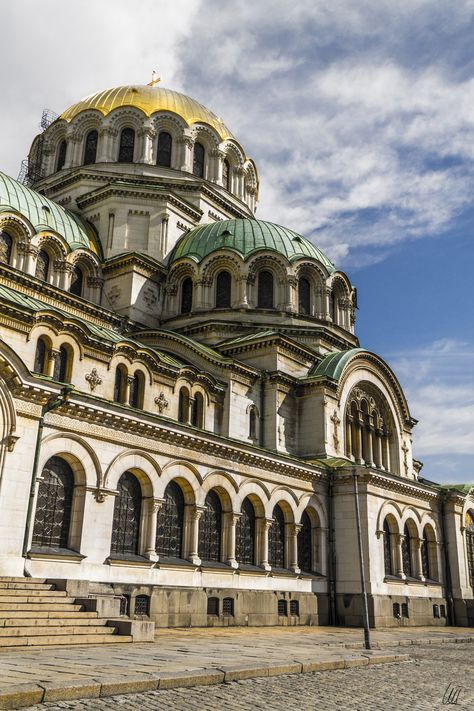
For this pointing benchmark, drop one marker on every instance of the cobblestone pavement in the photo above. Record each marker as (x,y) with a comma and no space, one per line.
(437,676)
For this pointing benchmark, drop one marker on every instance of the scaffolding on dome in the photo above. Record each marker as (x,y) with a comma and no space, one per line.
(31,169)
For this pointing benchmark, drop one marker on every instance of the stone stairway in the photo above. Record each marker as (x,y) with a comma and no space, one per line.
(34,613)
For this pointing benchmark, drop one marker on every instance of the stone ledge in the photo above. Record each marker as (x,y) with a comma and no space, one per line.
(128,685)
(69,690)
(18,695)
(198,677)
(244,671)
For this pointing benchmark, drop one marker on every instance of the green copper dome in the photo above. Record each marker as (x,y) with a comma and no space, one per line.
(246,237)
(45,214)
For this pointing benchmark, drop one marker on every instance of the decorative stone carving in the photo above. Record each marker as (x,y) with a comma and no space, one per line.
(150,296)
(113,295)
(161,402)
(94,379)
(336,422)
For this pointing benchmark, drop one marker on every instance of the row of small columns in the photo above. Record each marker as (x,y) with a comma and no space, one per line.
(366,443)
(396,540)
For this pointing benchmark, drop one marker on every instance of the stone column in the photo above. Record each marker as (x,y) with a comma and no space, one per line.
(292,531)
(152,507)
(396,551)
(385,452)
(230,522)
(326,310)
(417,563)
(357,441)
(128,383)
(378,449)
(196,513)
(186,163)
(291,295)
(27,254)
(265,527)
(51,360)
(147,134)
(348,437)
(243,296)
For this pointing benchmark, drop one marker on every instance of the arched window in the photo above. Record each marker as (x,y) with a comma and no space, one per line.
(198,160)
(387,549)
(120,384)
(425,555)
(90,150)
(305,544)
(61,159)
(406,552)
(40,356)
(77,281)
(127,144)
(265,290)
(163,154)
(63,365)
(253,423)
(42,265)
(183,405)
(197,411)
(54,504)
(187,296)
(245,534)
(469,523)
(223,290)
(127,514)
(6,244)
(276,539)
(137,390)
(226,174)
(304,296)
(210,526)
(170,523)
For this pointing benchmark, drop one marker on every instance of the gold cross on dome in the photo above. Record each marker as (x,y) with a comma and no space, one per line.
(155,78)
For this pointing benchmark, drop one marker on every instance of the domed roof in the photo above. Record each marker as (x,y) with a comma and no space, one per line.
(149,99)
(246,237)
(45,214)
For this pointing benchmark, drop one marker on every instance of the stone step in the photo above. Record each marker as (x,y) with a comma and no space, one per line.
(9,579)
(82,621)
(45,613)
(54,631)
(25,586)
(11,595)
(43,641)
(54,606)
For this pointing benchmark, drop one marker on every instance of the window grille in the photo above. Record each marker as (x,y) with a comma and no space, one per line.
(163,154)
(305,561)
(127,145)
(294,608)
(187,296)
(127,514)
(6,244)
(405,609)
(406,552)
(425,560)
(265,290)
(198,160)
(396,610)
(142,605)
(442,611)
(436,611)
(169,526)
(90,151)
(282,608)
(212,605)
(223,290)
(125,605)
(228,607)
(77,281)
(42,265)
(304,296)
(54,504)
(210,526)
(245,534)
(387,549)
(276,539)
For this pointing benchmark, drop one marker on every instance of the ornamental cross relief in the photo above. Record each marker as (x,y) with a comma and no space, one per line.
(336,422)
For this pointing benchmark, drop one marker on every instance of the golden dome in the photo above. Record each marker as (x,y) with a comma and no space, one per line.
(149,99)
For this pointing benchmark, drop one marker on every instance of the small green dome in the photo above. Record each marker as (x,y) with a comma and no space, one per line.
(246,237)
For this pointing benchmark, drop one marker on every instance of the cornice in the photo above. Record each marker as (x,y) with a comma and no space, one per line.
(389,482)
(148,267)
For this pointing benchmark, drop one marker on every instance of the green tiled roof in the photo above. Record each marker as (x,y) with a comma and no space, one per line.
(333,364)
(44,214)
(246,237)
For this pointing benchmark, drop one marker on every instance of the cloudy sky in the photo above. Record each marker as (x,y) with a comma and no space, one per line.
(360,116)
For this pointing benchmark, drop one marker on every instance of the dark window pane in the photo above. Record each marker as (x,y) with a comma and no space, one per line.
(40,356)
(442,610)
(170,523)
(125,605)
(282,608)
(6,244)
(61,365)
(425,559)
(53,506)
(387,550)
(183,406)
(197,411)
(223,290)
(252,423)
(405,609)
(406,553)
(42,265)
(163,156)
(127,144)
(61,155)
(136,392)
(396,610)
(198,160)
(245,534)
(212,605)
(187,296)
(305,558)
(127,513)
(436,611)
(294,608)
(142,605)
(210,526)
(304,296)
(228,607)
(276,539)
(90,151)
(119,385)
(265,290)
(77,281)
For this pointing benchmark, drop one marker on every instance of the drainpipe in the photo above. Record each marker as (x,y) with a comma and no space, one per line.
(361,563)
(331,562)
(53,403)
(447,568)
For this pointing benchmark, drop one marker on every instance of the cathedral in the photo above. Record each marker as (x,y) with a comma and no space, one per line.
(188,421)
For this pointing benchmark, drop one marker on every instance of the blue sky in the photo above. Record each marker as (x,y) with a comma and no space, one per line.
(360,117)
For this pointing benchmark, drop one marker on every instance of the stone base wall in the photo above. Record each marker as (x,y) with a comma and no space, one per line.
(464,613)
(421,611)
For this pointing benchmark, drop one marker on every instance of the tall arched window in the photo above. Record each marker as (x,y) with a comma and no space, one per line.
(90,150)
(77,281)
(42,265)
(187,296)
(387,549)
(425,555)
(163,154)
(210,527)
(198,160)
(183,405)
(6,244)
(265,290)
(245,534)
(197,411)
(127,145)
(305,544)
(304,296)
(469,523)
(253,423)
(61,159)
(406,552)
(63,365)
(226,174)
(223,290)
(40,356)
(120,384)
(137,390)
(127,514)
(170,523)
(276,539)
(54,504)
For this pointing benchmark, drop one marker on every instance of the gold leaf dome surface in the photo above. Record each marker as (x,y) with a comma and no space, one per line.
(149,99)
